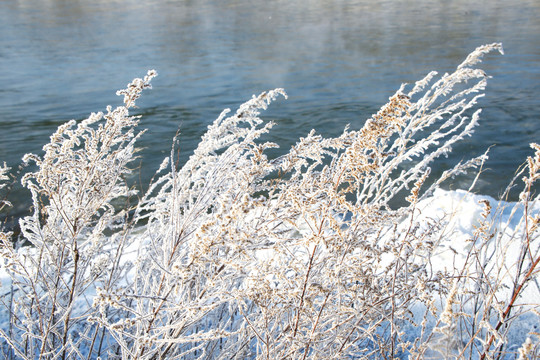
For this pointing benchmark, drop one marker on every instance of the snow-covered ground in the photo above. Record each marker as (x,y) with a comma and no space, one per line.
(462,211)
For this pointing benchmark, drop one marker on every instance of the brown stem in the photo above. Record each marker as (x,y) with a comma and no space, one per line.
(71,295)
(304,291)
(510,305)
(315,325)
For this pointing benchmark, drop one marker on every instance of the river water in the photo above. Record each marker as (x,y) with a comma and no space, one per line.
(338,60)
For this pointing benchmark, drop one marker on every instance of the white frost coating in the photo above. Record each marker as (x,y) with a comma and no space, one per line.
(237,255)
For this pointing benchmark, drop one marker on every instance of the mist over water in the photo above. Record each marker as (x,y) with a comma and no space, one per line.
(338,60)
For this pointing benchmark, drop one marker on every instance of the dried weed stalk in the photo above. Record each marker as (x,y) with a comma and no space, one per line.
(235,255)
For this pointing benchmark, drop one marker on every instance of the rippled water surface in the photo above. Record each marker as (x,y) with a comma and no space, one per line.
(338,60)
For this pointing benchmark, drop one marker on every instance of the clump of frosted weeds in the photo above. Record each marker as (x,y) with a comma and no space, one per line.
(77,181)
(3,174)
(238,255)
(4,170)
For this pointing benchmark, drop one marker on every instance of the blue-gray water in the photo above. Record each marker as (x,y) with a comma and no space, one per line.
(338,60)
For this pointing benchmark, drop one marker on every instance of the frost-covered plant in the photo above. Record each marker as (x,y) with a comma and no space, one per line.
(493,303)
(77,181)
(236,255)
(496,283)
(3,177)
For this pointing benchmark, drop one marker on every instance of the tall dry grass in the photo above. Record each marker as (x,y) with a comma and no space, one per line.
(236,255)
